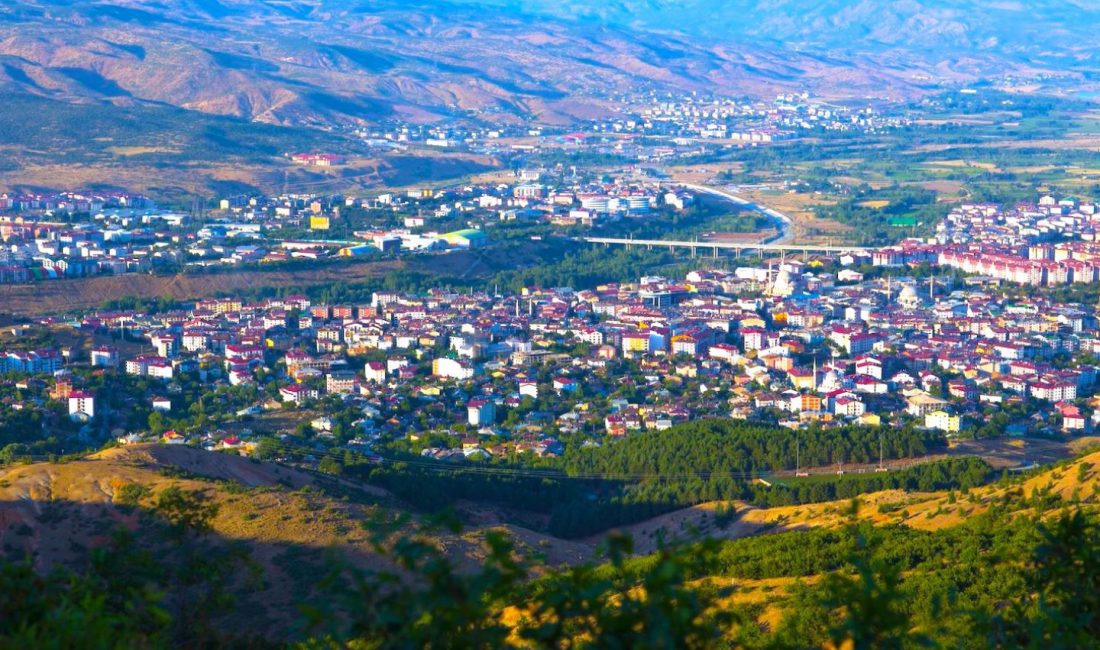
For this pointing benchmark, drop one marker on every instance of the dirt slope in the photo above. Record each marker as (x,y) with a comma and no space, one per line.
(260,503)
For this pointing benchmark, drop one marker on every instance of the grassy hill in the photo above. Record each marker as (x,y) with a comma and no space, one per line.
(1072,482)
(279,550)
(291,525)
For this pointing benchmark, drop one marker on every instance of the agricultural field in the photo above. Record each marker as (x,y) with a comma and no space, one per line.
(955,150)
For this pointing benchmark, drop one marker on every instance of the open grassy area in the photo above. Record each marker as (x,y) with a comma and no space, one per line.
(56,296)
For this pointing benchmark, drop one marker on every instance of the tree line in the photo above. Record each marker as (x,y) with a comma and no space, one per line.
(592,489)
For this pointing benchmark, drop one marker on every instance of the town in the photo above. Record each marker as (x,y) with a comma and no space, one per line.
(115,239)
(1051,242)
(527,324)
(676,120)
(943,334)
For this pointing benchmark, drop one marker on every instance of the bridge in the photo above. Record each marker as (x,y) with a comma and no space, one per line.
(777,243)
(715,246)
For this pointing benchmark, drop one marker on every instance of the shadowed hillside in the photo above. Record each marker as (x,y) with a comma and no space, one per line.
(266,542)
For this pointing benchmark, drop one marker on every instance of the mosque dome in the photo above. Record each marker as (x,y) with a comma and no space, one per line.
(830,382)
(908,297)
(784,284)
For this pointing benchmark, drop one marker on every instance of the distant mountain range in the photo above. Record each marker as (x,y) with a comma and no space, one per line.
(319,62)
(923,28)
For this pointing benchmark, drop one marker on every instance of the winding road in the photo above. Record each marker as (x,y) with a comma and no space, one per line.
(784,223)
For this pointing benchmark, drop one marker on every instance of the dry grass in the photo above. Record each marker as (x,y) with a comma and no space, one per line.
(135,176)
(704,173)
(686,523)
(272,509)
(807,228)
(933,511)
(949,188)
(956,164)
(291,521)
(271,176)
(1088,142)
(138,151)
(55,296)
(287,506)
(68,507)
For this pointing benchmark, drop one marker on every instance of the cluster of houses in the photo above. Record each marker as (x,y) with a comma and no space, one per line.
(799,342)
(1053,242)
(793,344)
(257,230)
(123,240)
(72,202)
(744,121)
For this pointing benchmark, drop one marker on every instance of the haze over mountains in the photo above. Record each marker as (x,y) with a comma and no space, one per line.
(998,28)
(332,61)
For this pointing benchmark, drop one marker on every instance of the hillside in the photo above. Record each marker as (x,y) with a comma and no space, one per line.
(203,97)
(324,62)
(965,36)
(244,487)
(291,523)
(284,525)
(173,153)
(327,61)
(1070,482)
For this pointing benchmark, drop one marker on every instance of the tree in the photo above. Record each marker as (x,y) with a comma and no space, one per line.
(267,449)
(872,614)
(330,465)
(186,511)
(65,610)
(1062,609)
(156,423)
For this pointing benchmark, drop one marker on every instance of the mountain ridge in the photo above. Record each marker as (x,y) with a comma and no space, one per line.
(323,62)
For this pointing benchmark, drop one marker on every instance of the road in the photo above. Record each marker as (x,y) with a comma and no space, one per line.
(783,222)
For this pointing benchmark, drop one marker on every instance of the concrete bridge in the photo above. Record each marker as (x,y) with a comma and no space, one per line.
(714,246)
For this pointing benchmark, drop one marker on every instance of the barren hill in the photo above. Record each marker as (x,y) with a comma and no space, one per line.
(316,62)
(198,96)
(328,61)
(254,492)
(262,502)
